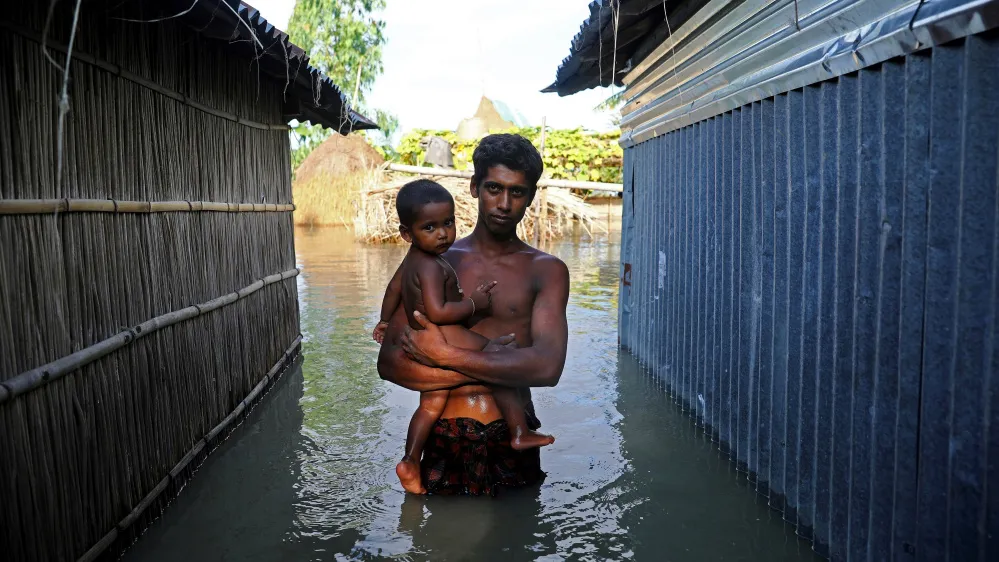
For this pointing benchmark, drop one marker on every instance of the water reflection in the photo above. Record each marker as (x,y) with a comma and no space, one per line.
(309,475)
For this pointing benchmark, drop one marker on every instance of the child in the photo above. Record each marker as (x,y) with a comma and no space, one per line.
(426,282)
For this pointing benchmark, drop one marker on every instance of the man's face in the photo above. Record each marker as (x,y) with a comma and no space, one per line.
(504,196)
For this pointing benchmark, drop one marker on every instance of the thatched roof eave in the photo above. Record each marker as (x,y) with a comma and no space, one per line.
(309,94)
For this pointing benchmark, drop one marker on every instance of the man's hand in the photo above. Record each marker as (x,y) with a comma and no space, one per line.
(502,342)
(426,346)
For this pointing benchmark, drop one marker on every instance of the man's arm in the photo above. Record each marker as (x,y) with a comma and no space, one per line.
(396,367)
(538,365)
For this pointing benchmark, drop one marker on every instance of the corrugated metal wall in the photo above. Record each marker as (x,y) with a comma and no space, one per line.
(815,277)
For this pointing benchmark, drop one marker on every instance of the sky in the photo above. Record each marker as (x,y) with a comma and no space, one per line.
(441,56)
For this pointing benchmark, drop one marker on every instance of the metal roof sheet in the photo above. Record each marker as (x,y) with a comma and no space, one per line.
(605,50)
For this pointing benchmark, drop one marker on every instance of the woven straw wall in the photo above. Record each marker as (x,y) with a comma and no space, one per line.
(88,455)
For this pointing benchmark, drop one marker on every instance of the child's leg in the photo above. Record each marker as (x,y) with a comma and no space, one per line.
(462,337)
(431,405)
(510,404)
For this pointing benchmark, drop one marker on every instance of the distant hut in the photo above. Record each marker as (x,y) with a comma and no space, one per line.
(147,266)
(491,115)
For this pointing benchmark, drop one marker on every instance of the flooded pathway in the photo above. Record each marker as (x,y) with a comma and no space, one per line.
(310,473)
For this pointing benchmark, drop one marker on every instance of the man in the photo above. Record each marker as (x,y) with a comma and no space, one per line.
(468,451)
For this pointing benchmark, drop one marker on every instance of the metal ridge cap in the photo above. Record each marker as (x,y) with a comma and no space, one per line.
(909,28)
(678,35)
(838,55)
(734,27)
(733,49)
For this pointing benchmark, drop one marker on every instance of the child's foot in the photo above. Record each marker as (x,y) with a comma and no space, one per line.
(408,472)
(531,440)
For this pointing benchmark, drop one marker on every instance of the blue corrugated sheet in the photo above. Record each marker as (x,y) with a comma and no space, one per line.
(814,275)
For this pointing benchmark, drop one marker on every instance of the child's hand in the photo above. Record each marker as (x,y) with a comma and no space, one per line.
(483,297)
(378,334)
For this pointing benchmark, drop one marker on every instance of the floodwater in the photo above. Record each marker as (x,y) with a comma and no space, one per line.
(310,474)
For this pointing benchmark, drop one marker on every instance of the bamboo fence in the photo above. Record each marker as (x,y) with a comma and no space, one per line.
(377,222)
(543,182)
(149,297)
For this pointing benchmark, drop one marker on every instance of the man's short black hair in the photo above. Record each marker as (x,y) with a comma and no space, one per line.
(415,195)
(513,151)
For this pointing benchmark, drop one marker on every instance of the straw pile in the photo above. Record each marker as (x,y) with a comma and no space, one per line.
(377,222)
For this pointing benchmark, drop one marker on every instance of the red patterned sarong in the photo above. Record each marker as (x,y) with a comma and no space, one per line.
(466,457)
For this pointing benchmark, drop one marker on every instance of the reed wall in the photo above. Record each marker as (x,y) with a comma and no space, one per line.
(89,454)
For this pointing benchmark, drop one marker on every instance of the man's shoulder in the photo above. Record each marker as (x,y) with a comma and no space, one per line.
(548,265)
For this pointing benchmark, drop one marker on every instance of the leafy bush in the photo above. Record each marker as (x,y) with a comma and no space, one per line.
(571,154)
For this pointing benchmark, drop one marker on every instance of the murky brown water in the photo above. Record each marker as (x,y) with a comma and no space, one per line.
(310,474)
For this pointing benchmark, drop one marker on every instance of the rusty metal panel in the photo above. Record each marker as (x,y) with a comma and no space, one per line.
(814,277)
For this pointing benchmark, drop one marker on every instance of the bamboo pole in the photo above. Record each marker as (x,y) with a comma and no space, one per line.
(590,185)
(427,171)
(44,206)
(40,376)
(565,184)
(541,206)
(174,475)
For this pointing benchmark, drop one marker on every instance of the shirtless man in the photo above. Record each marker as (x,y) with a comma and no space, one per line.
(528,308)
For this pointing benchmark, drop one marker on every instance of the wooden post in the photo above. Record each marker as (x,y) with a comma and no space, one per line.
(544,190)
(541,202)
(357,86)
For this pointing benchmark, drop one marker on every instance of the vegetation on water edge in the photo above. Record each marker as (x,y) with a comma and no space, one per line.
(570,154)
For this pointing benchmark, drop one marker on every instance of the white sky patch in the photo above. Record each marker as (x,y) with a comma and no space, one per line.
(441,56)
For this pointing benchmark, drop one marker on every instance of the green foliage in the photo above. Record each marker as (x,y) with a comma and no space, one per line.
(381,139)
(612,106)
(572,154)
(344,39)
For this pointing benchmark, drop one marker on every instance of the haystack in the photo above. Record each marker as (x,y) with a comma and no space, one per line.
(338,156)
(377,223)
(328,182)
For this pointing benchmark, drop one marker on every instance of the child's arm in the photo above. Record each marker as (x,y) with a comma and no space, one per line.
(393,294)
(438,310)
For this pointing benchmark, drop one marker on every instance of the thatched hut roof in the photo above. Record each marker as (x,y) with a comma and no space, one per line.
(309,95)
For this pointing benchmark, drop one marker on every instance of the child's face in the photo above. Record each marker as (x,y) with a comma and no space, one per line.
(433,230)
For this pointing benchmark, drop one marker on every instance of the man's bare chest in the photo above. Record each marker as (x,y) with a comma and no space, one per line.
(514,294)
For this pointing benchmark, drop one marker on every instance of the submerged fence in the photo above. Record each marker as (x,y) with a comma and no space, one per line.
(149,297)
(815,276)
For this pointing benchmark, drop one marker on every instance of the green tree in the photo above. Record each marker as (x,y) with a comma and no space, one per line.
(612,106)
(381,139)
(344,39)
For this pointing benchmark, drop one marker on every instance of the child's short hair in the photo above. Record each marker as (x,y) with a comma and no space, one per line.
(416,194)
